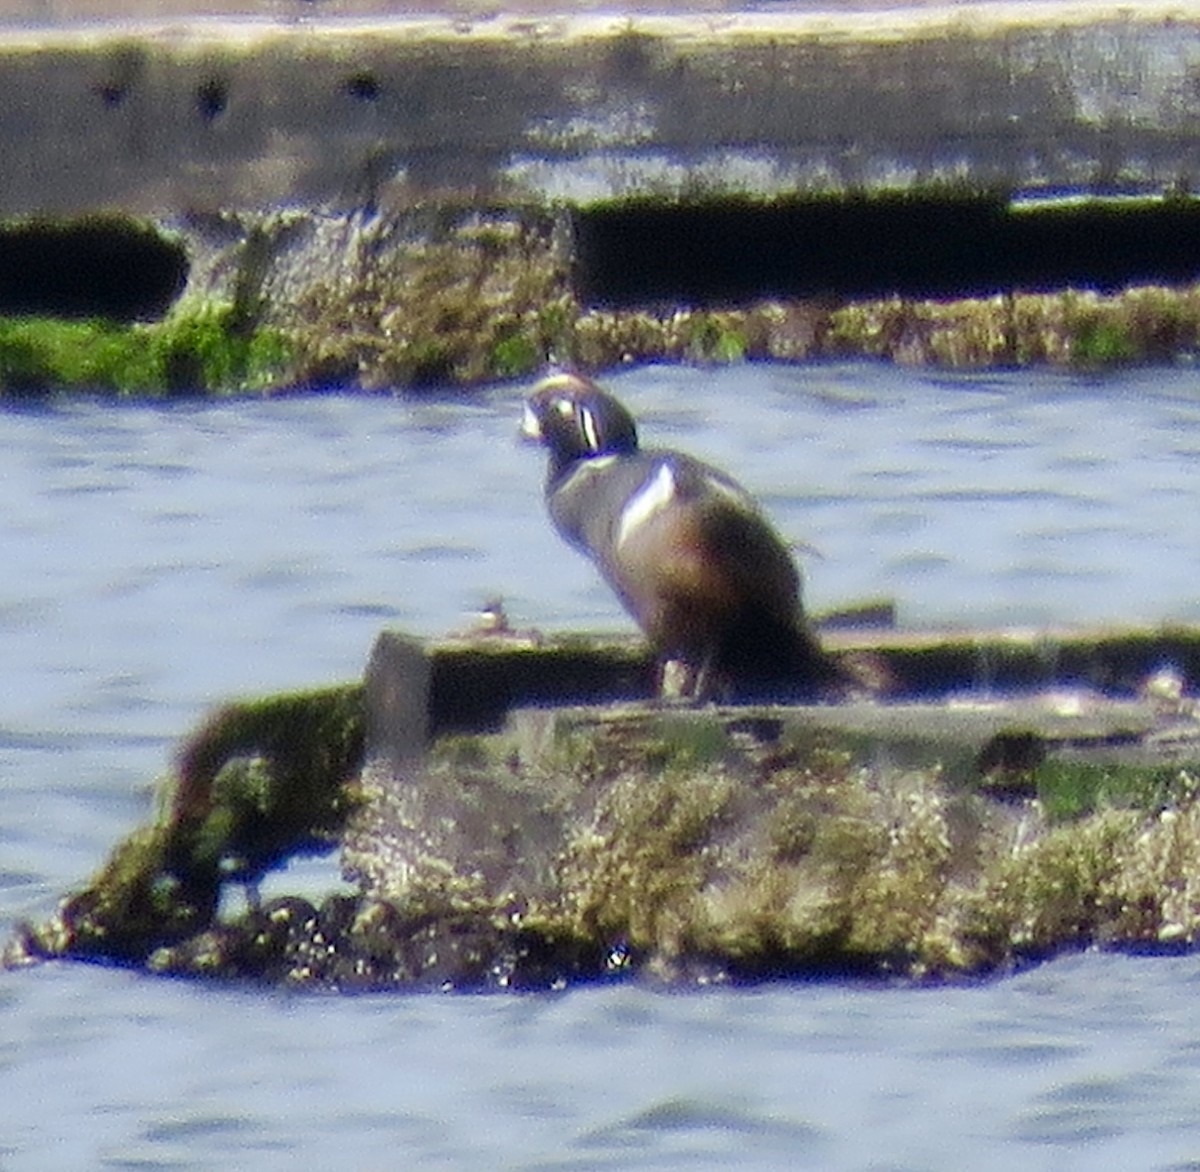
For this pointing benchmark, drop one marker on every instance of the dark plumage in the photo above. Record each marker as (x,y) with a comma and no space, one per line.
(688,551)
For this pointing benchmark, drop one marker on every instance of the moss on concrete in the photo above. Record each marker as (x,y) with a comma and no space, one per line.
(455,294)
(1069,789)
(197,349)
(265,780)
(459,323)
(741,846)
(451,297)
(1076,329)
(445,332)
(451,341)
(257,784)
(684,845)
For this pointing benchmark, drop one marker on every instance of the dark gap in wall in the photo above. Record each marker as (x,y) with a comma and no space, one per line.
(363,86)
(94,267)
(729,251)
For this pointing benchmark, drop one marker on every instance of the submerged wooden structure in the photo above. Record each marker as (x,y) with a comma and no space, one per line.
(512,811)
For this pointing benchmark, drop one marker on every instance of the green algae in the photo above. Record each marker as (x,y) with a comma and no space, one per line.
(1069,789)
(1078,329)
(214,348)
(131,332)
(197,349)
(259,783)
(458,294)
(450,340)
(265,780)
(38,355)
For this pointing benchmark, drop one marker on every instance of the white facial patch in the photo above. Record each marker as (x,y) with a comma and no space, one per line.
(653,496)
(531,429)
(587,423)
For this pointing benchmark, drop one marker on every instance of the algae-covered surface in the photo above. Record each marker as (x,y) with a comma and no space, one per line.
(200,350)
(464,328)
(257,784)
(458,294)
(756,844)
(937,839)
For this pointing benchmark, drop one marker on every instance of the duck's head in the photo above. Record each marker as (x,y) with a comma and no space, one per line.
(573,419)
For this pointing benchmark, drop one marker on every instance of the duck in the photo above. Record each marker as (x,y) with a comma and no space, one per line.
(688,551)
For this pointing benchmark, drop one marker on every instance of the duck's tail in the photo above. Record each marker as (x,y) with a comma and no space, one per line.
(765,660)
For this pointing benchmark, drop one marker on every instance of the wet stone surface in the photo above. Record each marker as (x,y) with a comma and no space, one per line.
(360,944)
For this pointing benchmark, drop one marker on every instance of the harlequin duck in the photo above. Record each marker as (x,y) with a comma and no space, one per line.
(687,549)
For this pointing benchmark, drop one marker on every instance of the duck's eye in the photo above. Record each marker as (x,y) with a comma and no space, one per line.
(564,406)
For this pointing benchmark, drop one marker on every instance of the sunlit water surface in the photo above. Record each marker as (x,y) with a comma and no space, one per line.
(159,559)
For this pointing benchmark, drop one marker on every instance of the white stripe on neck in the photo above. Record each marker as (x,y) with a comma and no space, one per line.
(581,470)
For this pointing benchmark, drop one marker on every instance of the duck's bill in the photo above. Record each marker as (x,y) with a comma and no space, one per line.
(531,428)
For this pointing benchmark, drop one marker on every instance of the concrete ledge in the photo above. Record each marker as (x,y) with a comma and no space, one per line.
(369,200)
(190,114)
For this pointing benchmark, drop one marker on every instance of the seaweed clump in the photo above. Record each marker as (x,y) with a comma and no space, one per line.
(459,324)
(199,348)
